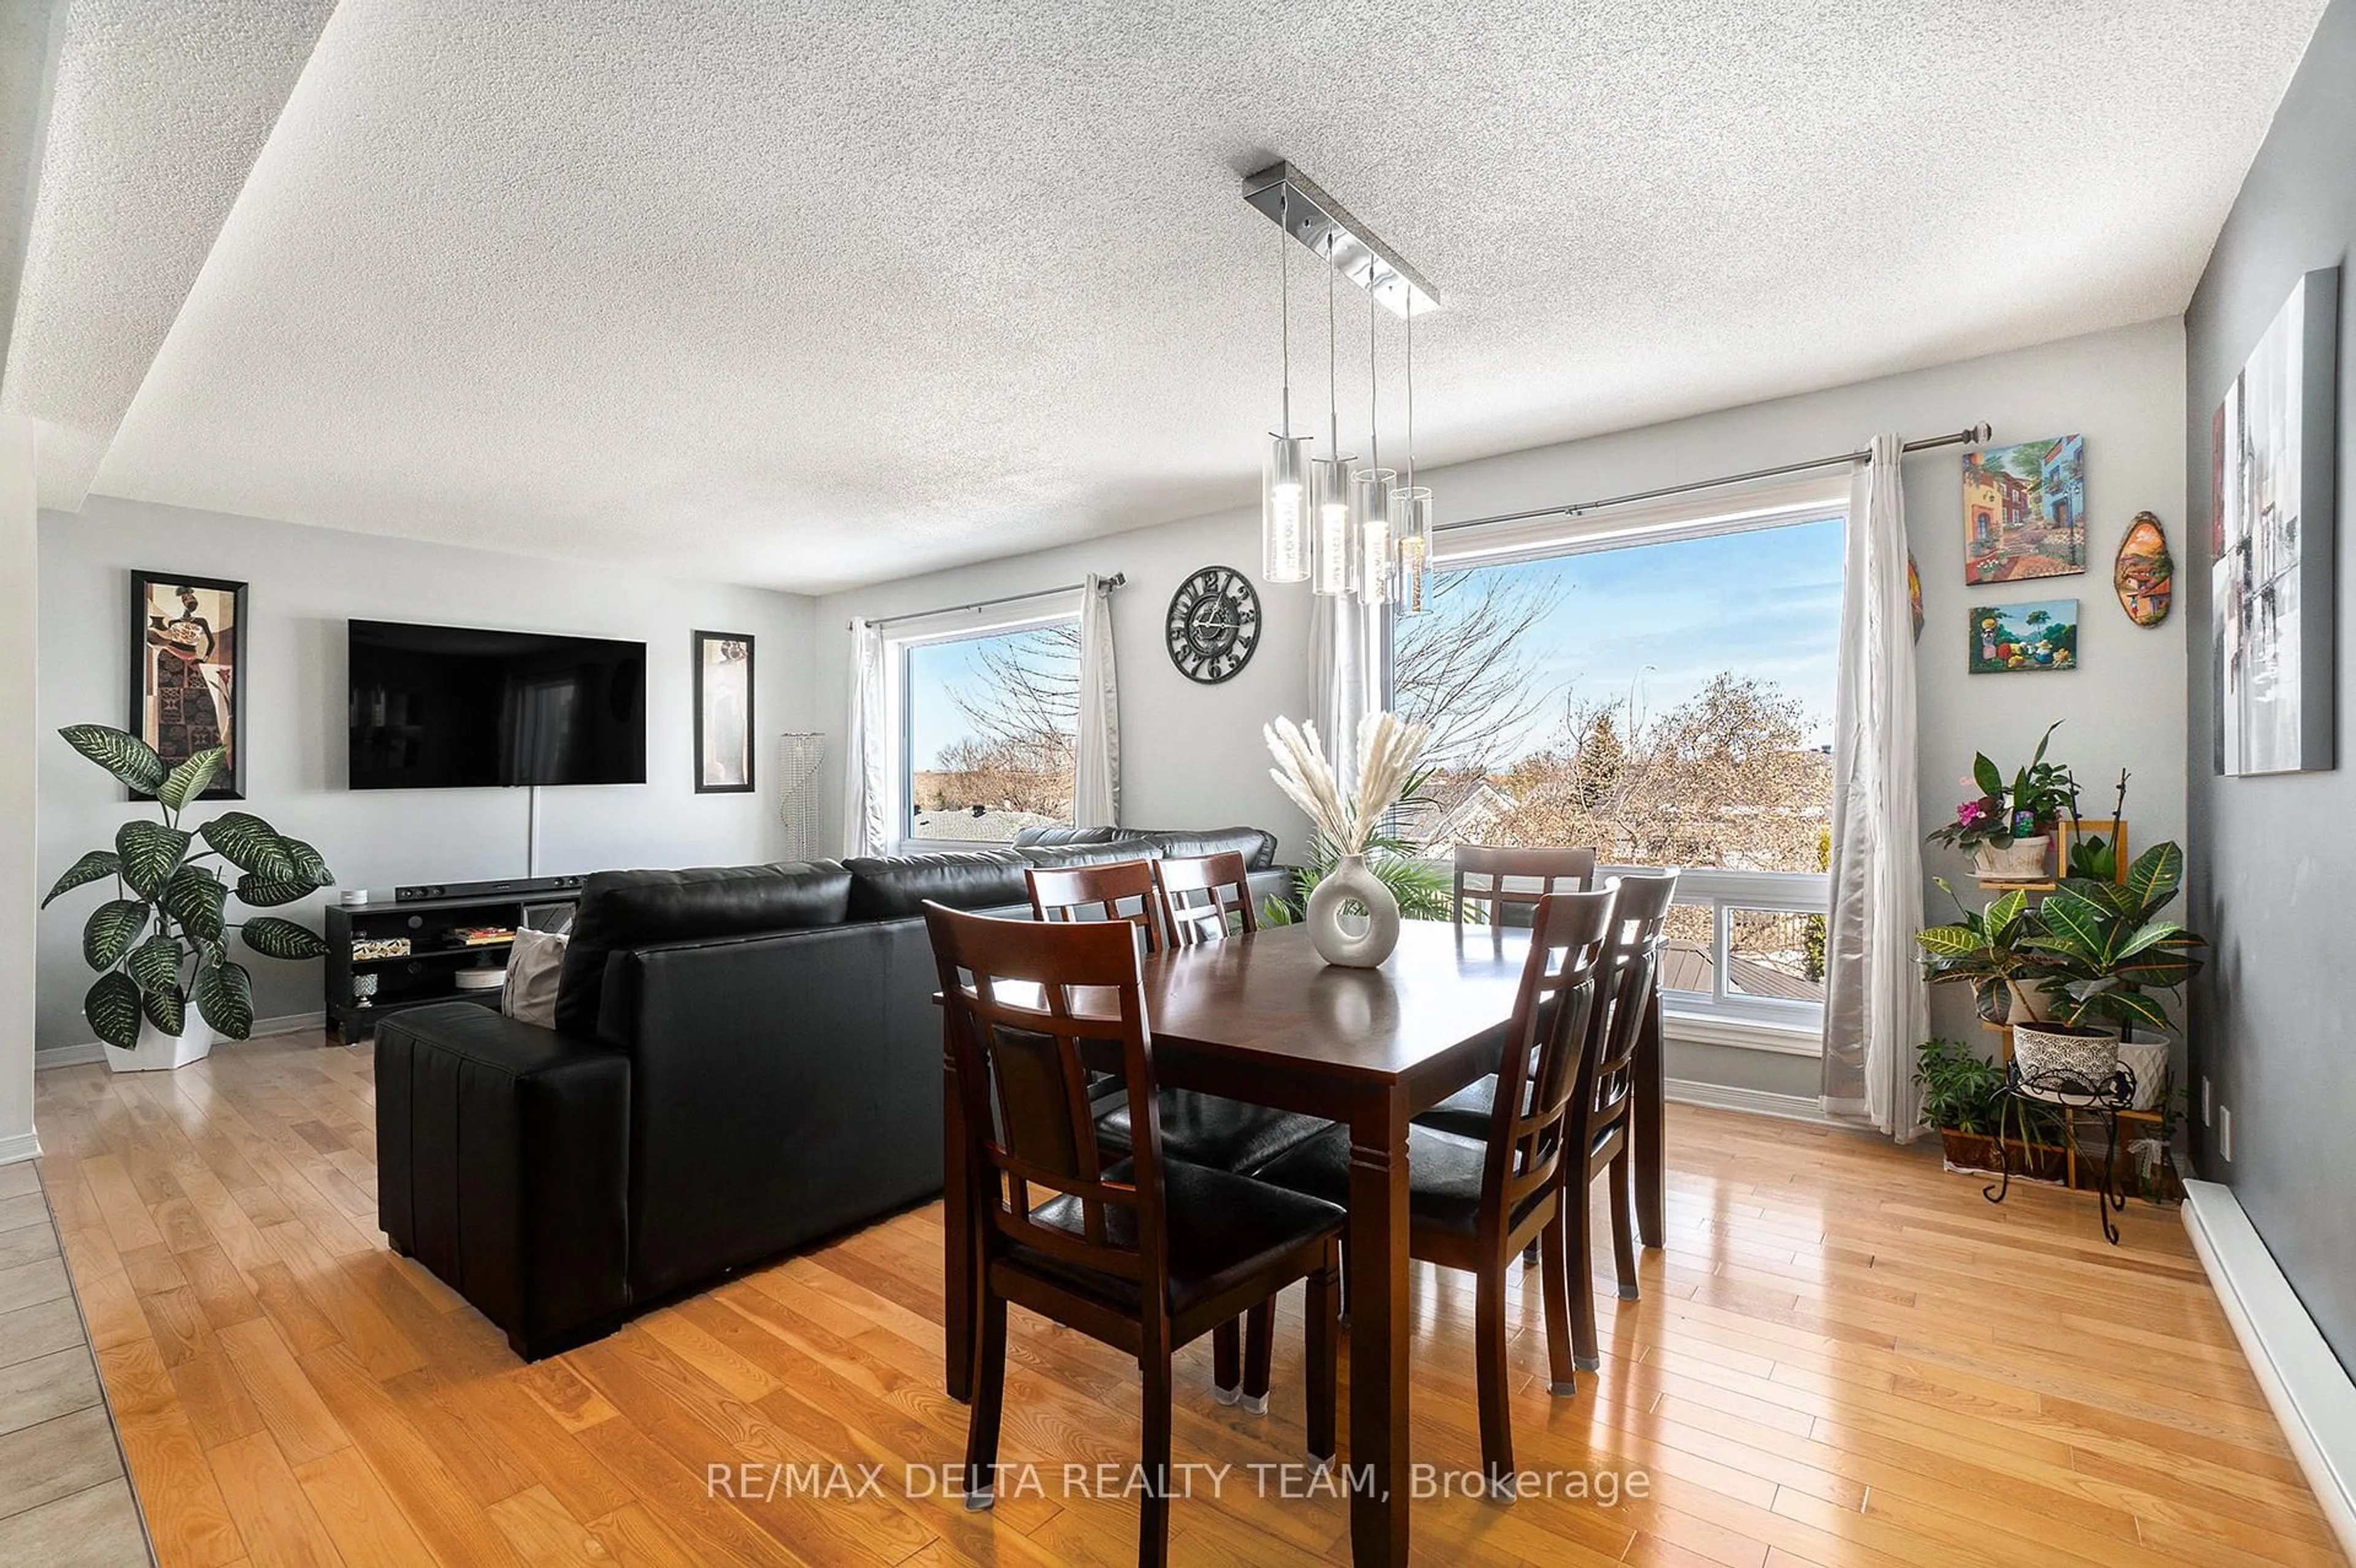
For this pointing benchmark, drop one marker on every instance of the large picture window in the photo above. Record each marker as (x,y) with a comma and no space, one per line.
(992,731)
(1669,703)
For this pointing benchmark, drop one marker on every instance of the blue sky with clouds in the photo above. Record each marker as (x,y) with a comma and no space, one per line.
(1661,619)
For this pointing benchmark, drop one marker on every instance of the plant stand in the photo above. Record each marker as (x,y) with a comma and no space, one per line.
(2074,1096)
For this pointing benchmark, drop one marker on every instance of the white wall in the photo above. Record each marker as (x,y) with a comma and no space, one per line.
(18,808)
(1192,756)
(305,583)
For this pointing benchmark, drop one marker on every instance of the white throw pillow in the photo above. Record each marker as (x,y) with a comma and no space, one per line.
(533,964)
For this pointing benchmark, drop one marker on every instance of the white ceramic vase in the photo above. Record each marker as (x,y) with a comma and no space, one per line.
(158,1052)
(1340,932)
(2148,1060)
(2022,860)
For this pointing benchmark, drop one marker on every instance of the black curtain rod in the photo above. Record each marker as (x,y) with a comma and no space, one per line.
(1115,581)
(1979,433)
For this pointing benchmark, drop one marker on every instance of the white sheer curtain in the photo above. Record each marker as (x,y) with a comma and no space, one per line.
(1096,784)
(1352,645)
(866,747)
(1874,1008)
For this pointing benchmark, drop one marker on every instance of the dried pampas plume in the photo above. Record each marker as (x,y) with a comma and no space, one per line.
(1388,748)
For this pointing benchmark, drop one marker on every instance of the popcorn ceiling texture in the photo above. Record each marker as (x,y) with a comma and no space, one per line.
(158,113)
(818,295)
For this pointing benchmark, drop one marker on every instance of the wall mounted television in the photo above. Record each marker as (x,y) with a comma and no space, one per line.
(462,707)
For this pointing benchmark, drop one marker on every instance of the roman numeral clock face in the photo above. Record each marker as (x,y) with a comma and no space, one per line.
(1214,625)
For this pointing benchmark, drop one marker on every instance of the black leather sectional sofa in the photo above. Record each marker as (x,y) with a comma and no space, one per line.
(746,1058)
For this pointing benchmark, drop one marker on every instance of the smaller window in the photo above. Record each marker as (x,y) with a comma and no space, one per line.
(990,728)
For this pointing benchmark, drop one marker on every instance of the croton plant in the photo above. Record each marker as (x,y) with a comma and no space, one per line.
(161,945)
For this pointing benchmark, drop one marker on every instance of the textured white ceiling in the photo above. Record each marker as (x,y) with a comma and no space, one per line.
(833,293)
(158,113)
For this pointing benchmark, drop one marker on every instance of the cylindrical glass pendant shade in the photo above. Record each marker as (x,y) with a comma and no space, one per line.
(1284,510)
(1370,517)
(1411,537)
(1335,564)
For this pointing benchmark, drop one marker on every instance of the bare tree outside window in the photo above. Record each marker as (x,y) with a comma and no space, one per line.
(997,719)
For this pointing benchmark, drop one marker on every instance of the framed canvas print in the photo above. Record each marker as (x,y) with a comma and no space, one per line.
(2024,511)
(724,713)
(2272,543)
(188,636)
(2040,634)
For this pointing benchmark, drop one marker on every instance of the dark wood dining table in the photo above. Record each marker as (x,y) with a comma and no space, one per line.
(1262,1019)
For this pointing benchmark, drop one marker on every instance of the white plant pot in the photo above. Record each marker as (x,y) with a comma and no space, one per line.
(2022,860)
(2091,1059)
(2148,1060)
(158,1052)
(1341,935)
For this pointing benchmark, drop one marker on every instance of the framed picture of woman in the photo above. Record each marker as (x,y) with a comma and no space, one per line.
(724,713)
(187,653)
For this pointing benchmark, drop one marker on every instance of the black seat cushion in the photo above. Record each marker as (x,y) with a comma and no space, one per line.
(1211,1130)
(1221,1228)
(1443,1175)
(1465,1112)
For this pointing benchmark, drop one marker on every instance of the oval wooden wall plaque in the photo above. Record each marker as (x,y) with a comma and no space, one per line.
(2145,573)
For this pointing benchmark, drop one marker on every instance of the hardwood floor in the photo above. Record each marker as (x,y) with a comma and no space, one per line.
(1845,1356)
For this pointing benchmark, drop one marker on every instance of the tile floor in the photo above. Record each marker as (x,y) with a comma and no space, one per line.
(65,1501)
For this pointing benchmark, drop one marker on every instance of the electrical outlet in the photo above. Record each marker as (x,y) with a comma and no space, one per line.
(2225,1134)
(2206,1118)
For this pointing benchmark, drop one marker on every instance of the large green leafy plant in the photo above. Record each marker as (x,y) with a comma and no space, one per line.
(2032,804)
(2106,949)
(1993,951)
(161,945)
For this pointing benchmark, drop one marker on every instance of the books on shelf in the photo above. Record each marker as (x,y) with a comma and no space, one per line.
(484,935)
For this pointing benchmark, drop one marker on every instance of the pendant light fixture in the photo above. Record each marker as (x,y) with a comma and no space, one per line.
(1284,500)
(1370,492)
(1411,507)
(1347,531)
(1335,568)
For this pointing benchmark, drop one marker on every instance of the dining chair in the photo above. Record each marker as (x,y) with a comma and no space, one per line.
(1143,1253)
(1606,1099)
(1098,892)
(1204,898)
(1482,870)
(1471,1205)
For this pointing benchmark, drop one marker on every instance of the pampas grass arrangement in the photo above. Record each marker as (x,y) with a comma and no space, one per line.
(1388,748)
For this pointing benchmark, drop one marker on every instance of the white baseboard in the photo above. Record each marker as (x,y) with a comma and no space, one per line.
(91,1051)
(23,1146)
(2310,1391)
(1757,1102)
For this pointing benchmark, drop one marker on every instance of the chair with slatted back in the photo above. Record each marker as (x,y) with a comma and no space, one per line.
(1483,873)
(1099,892)
(1607,1092)
(1204,898)
(1142,1253)
(1473,1205)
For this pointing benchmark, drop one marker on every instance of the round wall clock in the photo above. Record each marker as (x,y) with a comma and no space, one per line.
(1214,625)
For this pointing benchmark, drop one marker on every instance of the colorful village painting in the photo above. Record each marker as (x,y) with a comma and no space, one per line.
(2024,511)
(2040,634)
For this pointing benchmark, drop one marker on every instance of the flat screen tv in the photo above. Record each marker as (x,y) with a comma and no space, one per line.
(459,707)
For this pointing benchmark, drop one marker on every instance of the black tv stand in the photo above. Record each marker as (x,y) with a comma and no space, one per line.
(427,973)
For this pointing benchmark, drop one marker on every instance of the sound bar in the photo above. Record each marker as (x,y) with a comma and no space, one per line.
(513,887)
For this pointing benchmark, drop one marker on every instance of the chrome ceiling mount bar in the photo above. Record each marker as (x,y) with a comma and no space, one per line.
(1293,201)
(1978,433)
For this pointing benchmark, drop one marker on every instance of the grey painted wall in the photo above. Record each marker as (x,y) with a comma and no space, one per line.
(306,583)
(2273,1016)
(1192,756)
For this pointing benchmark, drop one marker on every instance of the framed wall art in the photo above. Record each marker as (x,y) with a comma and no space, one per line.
(2040,634)
(188,659)
(724,713)
(2272,544)
(2024,511)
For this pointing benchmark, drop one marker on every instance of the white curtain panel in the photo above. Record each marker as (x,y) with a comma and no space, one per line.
(1349,677)
(866,747)
(1096,788)
(1875,1013)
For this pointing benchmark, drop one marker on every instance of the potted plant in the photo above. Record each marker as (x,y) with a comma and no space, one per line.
(1962,1100)
(1990,950)
(2009,827)
(1349,823)
(165,983)
(2105,951)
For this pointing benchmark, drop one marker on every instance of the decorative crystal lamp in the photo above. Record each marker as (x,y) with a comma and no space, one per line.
(1370,518)
(1284,510)
(1335,567)
(1411,528)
